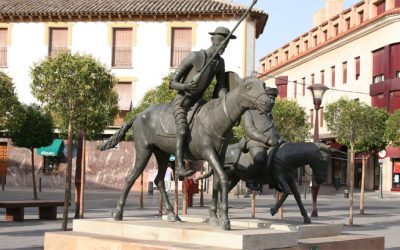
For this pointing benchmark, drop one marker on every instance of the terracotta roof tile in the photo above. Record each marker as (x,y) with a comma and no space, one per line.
(143,7)
(10,9)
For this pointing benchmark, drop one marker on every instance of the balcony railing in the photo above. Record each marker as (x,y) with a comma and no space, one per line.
(3,56)
(178,54)
(122,57)
(55,51)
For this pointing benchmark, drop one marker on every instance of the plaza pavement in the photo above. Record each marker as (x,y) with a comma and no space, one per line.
(382,216)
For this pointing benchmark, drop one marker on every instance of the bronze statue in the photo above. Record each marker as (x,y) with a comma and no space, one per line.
(260,135)
(191,90)
(281,176)
(154,132)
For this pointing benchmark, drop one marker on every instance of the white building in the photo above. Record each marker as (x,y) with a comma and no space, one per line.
(141,41)
(355,52)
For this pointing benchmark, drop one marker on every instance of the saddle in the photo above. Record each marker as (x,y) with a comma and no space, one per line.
(168,129)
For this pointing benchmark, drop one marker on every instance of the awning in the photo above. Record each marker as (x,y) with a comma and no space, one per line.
(392,152)
(54,149)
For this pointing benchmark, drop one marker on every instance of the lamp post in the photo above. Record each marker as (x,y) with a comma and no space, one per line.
(317,91)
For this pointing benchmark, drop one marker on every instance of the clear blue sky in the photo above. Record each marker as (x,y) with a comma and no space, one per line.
(287,20)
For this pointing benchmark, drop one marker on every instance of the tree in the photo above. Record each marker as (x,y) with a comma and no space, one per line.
(392,129)
(79,92)
(291,120)
(8,98)
(372,140)
(359,127)
(30,127)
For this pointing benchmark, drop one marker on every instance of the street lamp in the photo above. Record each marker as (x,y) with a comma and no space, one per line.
(317,91)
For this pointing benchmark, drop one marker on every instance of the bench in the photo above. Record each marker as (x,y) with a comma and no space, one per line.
(15,209)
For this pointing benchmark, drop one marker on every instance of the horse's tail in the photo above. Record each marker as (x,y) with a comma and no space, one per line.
(117,136)
(204,176)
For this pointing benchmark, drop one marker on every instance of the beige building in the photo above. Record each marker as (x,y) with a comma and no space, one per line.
(356,53)
(140,41)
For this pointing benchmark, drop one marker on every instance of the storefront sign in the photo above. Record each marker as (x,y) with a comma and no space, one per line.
(396,168)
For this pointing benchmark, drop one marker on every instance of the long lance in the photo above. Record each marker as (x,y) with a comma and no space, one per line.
(198,75)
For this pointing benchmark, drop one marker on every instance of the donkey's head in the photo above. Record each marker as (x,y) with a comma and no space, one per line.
(255,95)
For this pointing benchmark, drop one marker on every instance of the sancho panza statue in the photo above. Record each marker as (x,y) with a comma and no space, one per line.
(191,89)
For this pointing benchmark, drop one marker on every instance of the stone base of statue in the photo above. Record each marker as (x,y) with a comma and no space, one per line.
(195,233)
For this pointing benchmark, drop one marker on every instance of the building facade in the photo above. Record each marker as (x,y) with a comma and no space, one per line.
(356,53)
(141,41)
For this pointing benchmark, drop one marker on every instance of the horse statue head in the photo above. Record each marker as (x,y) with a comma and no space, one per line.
(255,95)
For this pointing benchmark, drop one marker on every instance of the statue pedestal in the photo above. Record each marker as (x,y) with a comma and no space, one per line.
(152,233)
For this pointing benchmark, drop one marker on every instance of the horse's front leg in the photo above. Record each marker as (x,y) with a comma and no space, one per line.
(282,183)
(296,193)
(140,164)
(214,202)
(212,158)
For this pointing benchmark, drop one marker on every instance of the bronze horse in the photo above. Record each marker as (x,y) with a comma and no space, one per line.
(211,130)
(285,160)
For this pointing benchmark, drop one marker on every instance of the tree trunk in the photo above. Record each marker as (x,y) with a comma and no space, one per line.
(176,202)
(364,159)
(141,191)
(351,184)
(201,187)
(185,196)
(253,204)
(68,179)
(78,174)
(35,197)
(277,198)
(83,178)
(160,209)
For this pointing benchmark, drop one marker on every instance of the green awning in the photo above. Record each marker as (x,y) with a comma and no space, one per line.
(54,149)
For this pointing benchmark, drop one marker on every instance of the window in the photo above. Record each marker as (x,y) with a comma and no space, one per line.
(312,79)
(295,89)
(380,7)
(3,47)
(333,76)
(378,78)
(394,60)
(58,41)
(344,72)
(297,49)
(336,29)
(325,32)
(286,55)
(321,117)
(398,74)
(124,91)
(181,44)
(322,77)
(303,83)
(348,24)
(122,47)
(315,40)
(360,17)
(270,63)
(276,60)
(263,67)
(306,45)
(357,63)
(379,65)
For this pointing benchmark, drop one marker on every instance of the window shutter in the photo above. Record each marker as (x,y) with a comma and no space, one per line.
(122,47)
(3,46)
(58,41)
(181,45)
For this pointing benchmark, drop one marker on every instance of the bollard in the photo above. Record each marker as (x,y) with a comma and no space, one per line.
(337,183)
(346,193)
(150,188)
(40,184)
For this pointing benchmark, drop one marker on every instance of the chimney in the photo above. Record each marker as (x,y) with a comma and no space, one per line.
(332,8)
